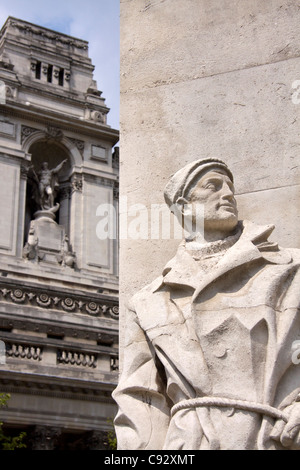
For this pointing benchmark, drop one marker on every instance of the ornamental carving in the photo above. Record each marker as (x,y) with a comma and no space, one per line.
(24,170)
(93,308)
(68,304)
(77,183)
(26,131)
(43,300)
(79,144)
(18,296)
(54,133)
(65,303)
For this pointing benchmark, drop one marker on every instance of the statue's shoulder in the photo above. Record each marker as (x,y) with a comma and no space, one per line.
(145,294)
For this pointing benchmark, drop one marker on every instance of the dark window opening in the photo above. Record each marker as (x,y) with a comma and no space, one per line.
(49,73)
(61,77)
(38,69)
(55,336)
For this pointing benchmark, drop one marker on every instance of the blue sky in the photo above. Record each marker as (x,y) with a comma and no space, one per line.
(96,21)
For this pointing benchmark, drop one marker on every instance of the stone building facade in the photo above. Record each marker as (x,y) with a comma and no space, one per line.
(58,278)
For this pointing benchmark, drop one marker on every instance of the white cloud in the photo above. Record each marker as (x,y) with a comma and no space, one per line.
(96,21)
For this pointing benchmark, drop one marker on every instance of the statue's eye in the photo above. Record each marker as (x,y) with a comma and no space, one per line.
(211,186)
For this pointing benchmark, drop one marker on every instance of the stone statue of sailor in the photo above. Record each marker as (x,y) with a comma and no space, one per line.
(208,359)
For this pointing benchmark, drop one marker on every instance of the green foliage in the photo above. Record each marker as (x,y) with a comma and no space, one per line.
(8,442)
(4,397)
(111,437)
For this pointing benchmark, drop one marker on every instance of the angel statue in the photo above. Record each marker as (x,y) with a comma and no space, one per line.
(46,180)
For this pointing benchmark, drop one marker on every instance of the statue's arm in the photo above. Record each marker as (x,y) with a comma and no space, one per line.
(143,414)
(59,167)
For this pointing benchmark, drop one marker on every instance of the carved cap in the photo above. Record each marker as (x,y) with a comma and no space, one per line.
(181,181)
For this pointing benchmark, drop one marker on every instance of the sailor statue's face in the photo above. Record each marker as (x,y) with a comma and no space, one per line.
(215,191)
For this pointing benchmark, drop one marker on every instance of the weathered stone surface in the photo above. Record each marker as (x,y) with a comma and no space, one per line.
(201,80)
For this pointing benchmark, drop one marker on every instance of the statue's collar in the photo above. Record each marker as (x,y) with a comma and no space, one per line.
(183,270)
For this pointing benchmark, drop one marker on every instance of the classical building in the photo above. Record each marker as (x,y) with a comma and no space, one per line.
(58,273)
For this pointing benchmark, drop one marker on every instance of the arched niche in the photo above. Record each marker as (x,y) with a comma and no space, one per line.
(52,152)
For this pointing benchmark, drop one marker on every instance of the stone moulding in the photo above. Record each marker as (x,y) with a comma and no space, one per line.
(48,34)
(54,333)
(95,308)
(63,389)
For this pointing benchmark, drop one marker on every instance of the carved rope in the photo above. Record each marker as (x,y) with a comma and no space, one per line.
(232,403)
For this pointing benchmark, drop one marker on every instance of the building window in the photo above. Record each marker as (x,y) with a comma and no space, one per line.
(49,73)
(61,77)
(38,68)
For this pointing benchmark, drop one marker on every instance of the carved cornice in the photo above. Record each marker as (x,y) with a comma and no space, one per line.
(88,128)
(43,33)
(61,388)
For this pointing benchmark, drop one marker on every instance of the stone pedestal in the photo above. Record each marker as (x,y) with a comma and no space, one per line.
(47,241)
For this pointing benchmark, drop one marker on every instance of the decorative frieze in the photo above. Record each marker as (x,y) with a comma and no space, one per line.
(59,302)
